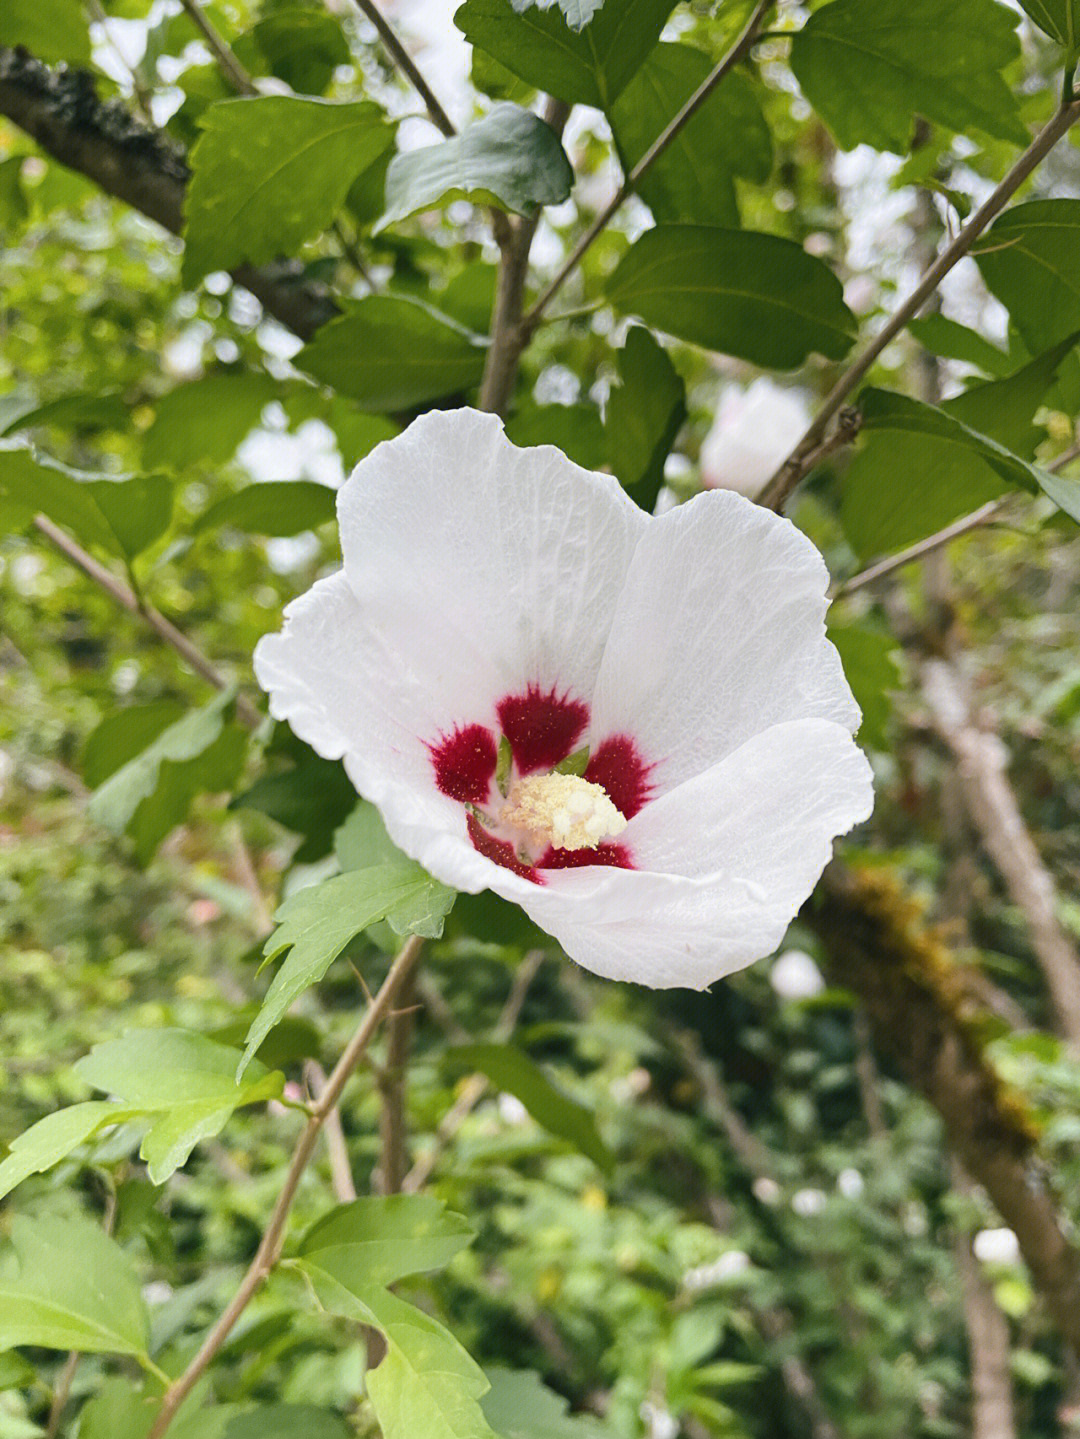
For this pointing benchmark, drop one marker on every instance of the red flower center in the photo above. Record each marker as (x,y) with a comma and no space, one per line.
(542,729)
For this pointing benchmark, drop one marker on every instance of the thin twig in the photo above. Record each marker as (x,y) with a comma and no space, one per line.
(220,48)
(164,628)
(270,1246)
(738,51)
(476,1086)
(337,1150)
(405,63)
(796,466)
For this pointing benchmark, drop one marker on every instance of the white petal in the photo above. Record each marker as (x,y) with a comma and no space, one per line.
(482,567)
(727,860)
(719,634)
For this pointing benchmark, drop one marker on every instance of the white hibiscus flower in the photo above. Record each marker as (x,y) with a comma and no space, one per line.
(504,617)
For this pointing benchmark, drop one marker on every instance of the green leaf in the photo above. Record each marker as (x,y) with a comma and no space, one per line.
(927,466)
(692,179)
(312,798)
(86,413)
(273,507)
(590,66)
(124,734)
(1060,19)
(869,67)
(390,353)
(577,430)
(182,435)
(138,511)
(152,793)
(952,341)
(378,1240)
(760,297)
(302,47)
(15,1372)
(186,1081)
(363,843)
(519,1406)
(510,158)
(75,1290)
(50,29)
(270,172)
(644,415)
(1030,259)
(316,924)
(56,1136)
(867,656)
(511,1070)
(426,1384)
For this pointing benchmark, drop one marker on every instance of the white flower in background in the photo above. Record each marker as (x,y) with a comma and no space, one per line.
(503,615)
(808,1202)
(850,1183)
(996,1246)
(795,975)
(752,435)
(730,1265)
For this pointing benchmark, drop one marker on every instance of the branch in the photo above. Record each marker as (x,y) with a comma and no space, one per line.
(61,111)
(405,63)
(992,1407)
(393,1128)
(738,51)
(928,1020)
(509,334)
(164,628)
(799,462)
(220,49)
(270,1246)
(982,766)
(982,516)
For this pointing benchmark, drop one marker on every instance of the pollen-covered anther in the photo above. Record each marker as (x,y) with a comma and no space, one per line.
(563,810)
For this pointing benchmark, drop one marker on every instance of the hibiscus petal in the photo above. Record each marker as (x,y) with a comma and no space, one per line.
(768,814)
(483,568)
(719,633)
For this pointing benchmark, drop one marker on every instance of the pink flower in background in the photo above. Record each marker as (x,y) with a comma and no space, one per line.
(752,435)
(633,727)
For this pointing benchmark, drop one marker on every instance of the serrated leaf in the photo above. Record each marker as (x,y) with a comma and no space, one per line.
(510,1069)
(520,1406)
(376,1240)
(153,792)
(869,67)
(426,1384)
(270,172)
(1060,19)
(760,297)
(204,421)
(272,507)
(49,29)
(75,1290)
(510,158)
(316,925)
(591,65)
(56,1136)
(390,353)
(693,179)
(1030,259)
(363,843)
(644,415)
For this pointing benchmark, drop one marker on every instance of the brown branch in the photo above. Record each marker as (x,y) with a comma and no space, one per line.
(337,1150)
(270,1246)
(717,1106)
(929,1021)
(982,766)
(164,628)
(237,76)
(405,63)
(391,1081)
(737,53)
(992,1408)
(797,465)
(509,335)
(139,165)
